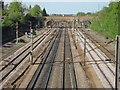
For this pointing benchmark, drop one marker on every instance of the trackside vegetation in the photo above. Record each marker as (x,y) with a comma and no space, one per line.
(107,21)
(18,15)
(17,12)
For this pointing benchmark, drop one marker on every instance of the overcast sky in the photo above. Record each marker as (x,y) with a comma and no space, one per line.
(67,6)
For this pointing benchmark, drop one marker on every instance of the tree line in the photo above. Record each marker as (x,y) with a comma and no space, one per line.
(84,14)
(17,12)
(18,15)
(107,21)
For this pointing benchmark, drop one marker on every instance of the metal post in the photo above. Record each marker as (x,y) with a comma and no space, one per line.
(16,32)
(84,48)
(38,24)
(73,23)
(117,81)
(31,50)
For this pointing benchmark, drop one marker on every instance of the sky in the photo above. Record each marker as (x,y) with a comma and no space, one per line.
(68,7)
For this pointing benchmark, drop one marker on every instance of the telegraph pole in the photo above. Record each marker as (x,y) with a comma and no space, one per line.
(16,32)
(31,49)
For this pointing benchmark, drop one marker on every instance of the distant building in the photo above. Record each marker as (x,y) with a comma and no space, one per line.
(1,5)
(25,12)
(61,15)
(68,14)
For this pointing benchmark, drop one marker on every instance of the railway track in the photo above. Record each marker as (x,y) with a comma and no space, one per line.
(104,69)
(35,80)
(42,76)
(21,57)
(69,67)
(102,48)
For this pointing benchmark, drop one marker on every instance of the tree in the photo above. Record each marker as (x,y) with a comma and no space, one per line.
(30,7)
(7,22)
(88,13)
(80,14)
(44,12)
(29,17)
(16,7)
(15,17)
(106,21)
(16,12)
(35,11)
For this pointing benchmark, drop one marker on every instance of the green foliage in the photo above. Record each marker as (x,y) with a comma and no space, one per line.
(15,7)
(35,11)
(7,22)
(15,17)
(44,13)
(29,17)
(13,14)
(22,41)
(34,33)
(21,14)
(118,18)
(30,7)
(80,14)
(106,20)
(85,14)
(89,13)
(5,12)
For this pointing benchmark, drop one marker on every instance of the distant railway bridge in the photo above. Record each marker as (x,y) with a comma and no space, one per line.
(73,21)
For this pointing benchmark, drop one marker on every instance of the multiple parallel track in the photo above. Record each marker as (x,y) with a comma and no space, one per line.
(104,68)
(46,68)
(21,56)
(41,78)
(102,47)
(68,67)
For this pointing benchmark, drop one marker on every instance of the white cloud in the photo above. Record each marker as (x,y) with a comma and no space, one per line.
(61,0)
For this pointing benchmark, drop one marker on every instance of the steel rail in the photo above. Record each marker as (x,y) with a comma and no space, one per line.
(4,76)
(96,42)
(21,53)
(40,67)
(99,67)
(98,55)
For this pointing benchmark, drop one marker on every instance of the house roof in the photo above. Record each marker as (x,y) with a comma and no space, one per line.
(1,16)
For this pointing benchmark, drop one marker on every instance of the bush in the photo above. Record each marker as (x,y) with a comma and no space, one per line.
(22,41)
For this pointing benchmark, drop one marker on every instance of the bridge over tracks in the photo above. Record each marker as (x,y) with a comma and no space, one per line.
(77,20)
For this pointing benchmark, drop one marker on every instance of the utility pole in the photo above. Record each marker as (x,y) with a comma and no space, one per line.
(31,49)
(16,32)
(84,48)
